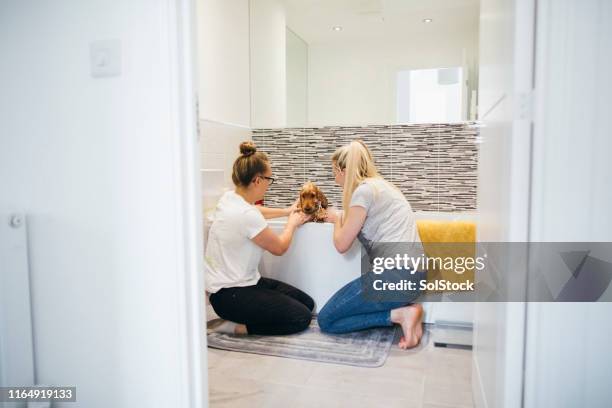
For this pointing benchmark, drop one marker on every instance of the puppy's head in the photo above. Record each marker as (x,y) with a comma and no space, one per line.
(312,199)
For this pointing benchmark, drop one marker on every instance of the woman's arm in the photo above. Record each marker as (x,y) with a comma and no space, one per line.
(344,235)
(278,244)
(268,212)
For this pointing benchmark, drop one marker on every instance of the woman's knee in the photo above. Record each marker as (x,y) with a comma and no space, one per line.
(299,321)
(304,322)
(309,303)
(324,325)
(218,304)
(327,326)
(325,319)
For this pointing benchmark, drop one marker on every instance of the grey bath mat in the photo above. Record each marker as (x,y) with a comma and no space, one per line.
(366,348)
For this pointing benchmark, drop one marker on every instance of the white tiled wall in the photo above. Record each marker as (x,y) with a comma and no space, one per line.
(219,144)
(434,165)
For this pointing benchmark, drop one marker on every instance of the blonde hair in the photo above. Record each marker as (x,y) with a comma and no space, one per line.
(249,164)
(356,160)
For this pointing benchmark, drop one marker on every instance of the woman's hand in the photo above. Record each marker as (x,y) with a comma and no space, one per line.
(278,212)
(278,244)
(293,207)
(332,215)
(297,218)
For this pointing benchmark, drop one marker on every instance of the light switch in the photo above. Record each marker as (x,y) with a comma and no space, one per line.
(105,56)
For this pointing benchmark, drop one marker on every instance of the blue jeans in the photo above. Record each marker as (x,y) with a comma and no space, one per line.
(348,310)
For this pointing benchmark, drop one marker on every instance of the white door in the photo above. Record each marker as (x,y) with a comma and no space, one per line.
(505,88)
(98,148)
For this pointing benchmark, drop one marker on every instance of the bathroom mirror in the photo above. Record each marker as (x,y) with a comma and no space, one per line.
(357,62)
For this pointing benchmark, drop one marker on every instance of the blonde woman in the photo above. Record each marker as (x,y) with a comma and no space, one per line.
(248,303)
(373,211)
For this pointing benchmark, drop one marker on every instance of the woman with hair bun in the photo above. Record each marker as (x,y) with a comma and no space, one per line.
(248,303)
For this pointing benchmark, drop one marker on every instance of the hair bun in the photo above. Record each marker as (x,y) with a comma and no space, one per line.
(247,148)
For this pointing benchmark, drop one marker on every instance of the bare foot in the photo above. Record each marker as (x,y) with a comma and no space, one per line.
(410,318)
(225,326)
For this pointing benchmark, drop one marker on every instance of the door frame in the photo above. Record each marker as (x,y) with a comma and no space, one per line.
(191,310)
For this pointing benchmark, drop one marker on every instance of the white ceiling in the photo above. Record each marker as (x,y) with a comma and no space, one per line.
(313,20)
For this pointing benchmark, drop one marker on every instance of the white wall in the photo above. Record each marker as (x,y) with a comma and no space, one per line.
(268,59)
(297,80)
(572,197)
(223,60)
(355,83)
(105,171)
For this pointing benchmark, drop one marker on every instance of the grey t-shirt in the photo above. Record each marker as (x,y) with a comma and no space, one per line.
(389,216)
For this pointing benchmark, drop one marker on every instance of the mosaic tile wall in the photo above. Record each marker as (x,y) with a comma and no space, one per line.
(434,165)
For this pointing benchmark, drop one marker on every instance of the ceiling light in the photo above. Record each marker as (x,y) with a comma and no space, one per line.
(337,28)
(427,20)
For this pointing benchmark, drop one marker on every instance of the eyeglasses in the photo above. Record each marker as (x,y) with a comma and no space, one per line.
(270,179)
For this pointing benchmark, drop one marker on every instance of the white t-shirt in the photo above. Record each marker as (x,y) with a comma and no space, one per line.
(232,259)
(389,215)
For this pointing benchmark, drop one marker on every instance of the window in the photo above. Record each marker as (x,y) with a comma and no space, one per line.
(430,95)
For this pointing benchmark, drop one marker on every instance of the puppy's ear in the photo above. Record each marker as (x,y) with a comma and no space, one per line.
(322,198)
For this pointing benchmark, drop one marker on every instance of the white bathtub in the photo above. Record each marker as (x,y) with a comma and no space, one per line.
(312,263)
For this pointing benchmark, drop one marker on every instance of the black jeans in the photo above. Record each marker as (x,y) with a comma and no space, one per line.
(268,307)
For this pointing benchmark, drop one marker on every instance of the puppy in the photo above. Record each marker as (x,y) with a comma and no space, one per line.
(313,202)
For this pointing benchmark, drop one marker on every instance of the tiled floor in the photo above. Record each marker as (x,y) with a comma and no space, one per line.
(431,378)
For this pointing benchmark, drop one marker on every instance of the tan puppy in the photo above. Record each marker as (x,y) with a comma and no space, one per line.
(313,202)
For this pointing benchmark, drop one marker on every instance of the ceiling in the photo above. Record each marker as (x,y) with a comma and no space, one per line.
(313,20)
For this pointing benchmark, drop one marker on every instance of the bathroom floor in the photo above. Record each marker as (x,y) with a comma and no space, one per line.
(432,378)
